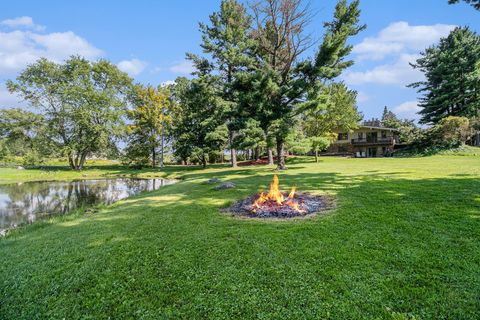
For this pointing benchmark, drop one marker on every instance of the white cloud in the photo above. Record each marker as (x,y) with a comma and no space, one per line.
(133,67)
(407,109)
(184,67)
(400,42)
(25,45)
(400,37)
(167,83)
(398,73)
(63,44)
(19,48)
(25,22)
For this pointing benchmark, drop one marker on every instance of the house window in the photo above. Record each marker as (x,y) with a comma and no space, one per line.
(360,136)
(343,136)
(384,134)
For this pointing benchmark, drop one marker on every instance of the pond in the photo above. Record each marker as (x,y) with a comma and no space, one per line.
(22,203)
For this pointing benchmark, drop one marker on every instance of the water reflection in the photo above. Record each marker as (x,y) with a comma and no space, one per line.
(26,202)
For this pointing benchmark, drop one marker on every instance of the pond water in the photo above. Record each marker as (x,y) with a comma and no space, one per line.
(26,202)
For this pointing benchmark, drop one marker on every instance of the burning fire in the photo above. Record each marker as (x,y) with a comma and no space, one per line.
(276,197)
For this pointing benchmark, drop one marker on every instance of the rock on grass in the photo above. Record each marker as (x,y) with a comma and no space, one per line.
(226,185)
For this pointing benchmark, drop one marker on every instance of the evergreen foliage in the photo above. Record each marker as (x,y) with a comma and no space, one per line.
(227,41)
(473,3)
(409,131)
(200,129)
(452,72)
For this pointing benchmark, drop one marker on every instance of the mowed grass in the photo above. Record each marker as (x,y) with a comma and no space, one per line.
(403,243)
(63,172)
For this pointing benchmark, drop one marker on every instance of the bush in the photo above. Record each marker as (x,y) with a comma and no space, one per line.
(449,134)
(453,131)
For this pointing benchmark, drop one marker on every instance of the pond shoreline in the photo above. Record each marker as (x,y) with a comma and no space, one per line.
(23,203)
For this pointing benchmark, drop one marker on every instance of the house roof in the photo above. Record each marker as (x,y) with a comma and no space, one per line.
(377,128)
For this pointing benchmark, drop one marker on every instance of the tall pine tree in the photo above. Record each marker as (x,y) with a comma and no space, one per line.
(283,80)
(227,41)
(452,73)
(199,128)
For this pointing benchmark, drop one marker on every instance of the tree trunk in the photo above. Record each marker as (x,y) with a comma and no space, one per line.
(82,160)
(162,142)
(204,161)
(233,151)
(316,155)
(76,162)
(270,157)
(257,153)
(70,161)
(280,156)
(154,158)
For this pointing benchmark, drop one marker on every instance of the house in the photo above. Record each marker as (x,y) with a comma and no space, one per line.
(365,142)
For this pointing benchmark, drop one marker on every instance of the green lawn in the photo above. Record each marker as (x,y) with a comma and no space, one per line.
(10,175)
(403,243)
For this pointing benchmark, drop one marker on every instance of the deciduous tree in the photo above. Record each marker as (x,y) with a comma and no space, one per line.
(151,125)
(82,103)
(335,109)
(24,134)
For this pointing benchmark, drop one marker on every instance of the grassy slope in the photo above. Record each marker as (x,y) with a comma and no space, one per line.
(403,243)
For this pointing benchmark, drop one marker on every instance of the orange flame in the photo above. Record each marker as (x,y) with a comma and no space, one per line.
(275,195)
(292,192)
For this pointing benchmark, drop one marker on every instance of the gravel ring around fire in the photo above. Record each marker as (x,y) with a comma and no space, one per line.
(314,204)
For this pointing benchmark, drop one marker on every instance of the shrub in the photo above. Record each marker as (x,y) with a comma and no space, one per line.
(453,131)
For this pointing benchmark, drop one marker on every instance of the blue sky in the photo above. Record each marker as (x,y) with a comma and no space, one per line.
(149,39)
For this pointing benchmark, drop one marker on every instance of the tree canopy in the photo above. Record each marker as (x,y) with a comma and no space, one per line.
(200,129)
(23,133)
(452,77)
(228,43)
(151,122)
(280,80)
(82,103)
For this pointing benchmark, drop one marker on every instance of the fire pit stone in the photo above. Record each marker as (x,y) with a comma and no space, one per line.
(226,185)
(277,204)
(213,180)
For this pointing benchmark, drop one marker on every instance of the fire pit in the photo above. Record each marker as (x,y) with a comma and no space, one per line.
(278,204)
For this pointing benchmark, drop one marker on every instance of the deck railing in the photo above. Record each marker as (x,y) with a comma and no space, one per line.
(373,141)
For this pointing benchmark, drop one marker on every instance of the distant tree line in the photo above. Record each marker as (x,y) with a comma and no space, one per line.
(254,89)
(254,92)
